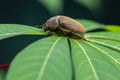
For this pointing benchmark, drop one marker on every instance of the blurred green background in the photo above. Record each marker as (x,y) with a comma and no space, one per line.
(36,12)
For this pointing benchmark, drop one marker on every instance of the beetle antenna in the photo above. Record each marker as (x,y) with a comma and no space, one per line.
(81,36)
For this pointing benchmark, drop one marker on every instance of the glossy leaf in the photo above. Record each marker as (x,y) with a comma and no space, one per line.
(46,59)
(97,58)
(10,30)
(55,58)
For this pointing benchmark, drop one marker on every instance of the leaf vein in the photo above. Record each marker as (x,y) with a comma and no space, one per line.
(90,62)
(40,75)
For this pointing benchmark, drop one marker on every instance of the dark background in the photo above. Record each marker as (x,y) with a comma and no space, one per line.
(32,12)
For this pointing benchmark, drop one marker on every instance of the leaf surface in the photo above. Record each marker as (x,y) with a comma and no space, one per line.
(10,30)
(97,58)
(113,28)
(46,59)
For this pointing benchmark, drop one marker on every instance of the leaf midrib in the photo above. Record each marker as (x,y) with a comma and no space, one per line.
(40,75)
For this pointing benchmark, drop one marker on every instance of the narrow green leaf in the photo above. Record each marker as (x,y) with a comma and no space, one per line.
(113,28)
(45,59)
(10,30)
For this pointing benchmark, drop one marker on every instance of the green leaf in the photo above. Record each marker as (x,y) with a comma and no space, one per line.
(103,35)
(113,28)
(97,58)
(10,30)
(2,74)
(90,25)
(45,59)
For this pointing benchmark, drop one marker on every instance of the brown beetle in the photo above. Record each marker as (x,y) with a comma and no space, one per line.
(63,25)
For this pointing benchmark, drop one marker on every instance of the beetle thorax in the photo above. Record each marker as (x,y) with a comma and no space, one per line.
(52,24)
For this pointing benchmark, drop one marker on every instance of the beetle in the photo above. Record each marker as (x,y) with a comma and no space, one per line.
(63,25)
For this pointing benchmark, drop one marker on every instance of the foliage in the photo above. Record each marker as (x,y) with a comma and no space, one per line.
(113,28)
(59,58)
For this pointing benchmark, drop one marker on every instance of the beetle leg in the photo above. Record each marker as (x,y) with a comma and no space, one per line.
(63,32)
(61,28)
(80,35)
(50,32)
